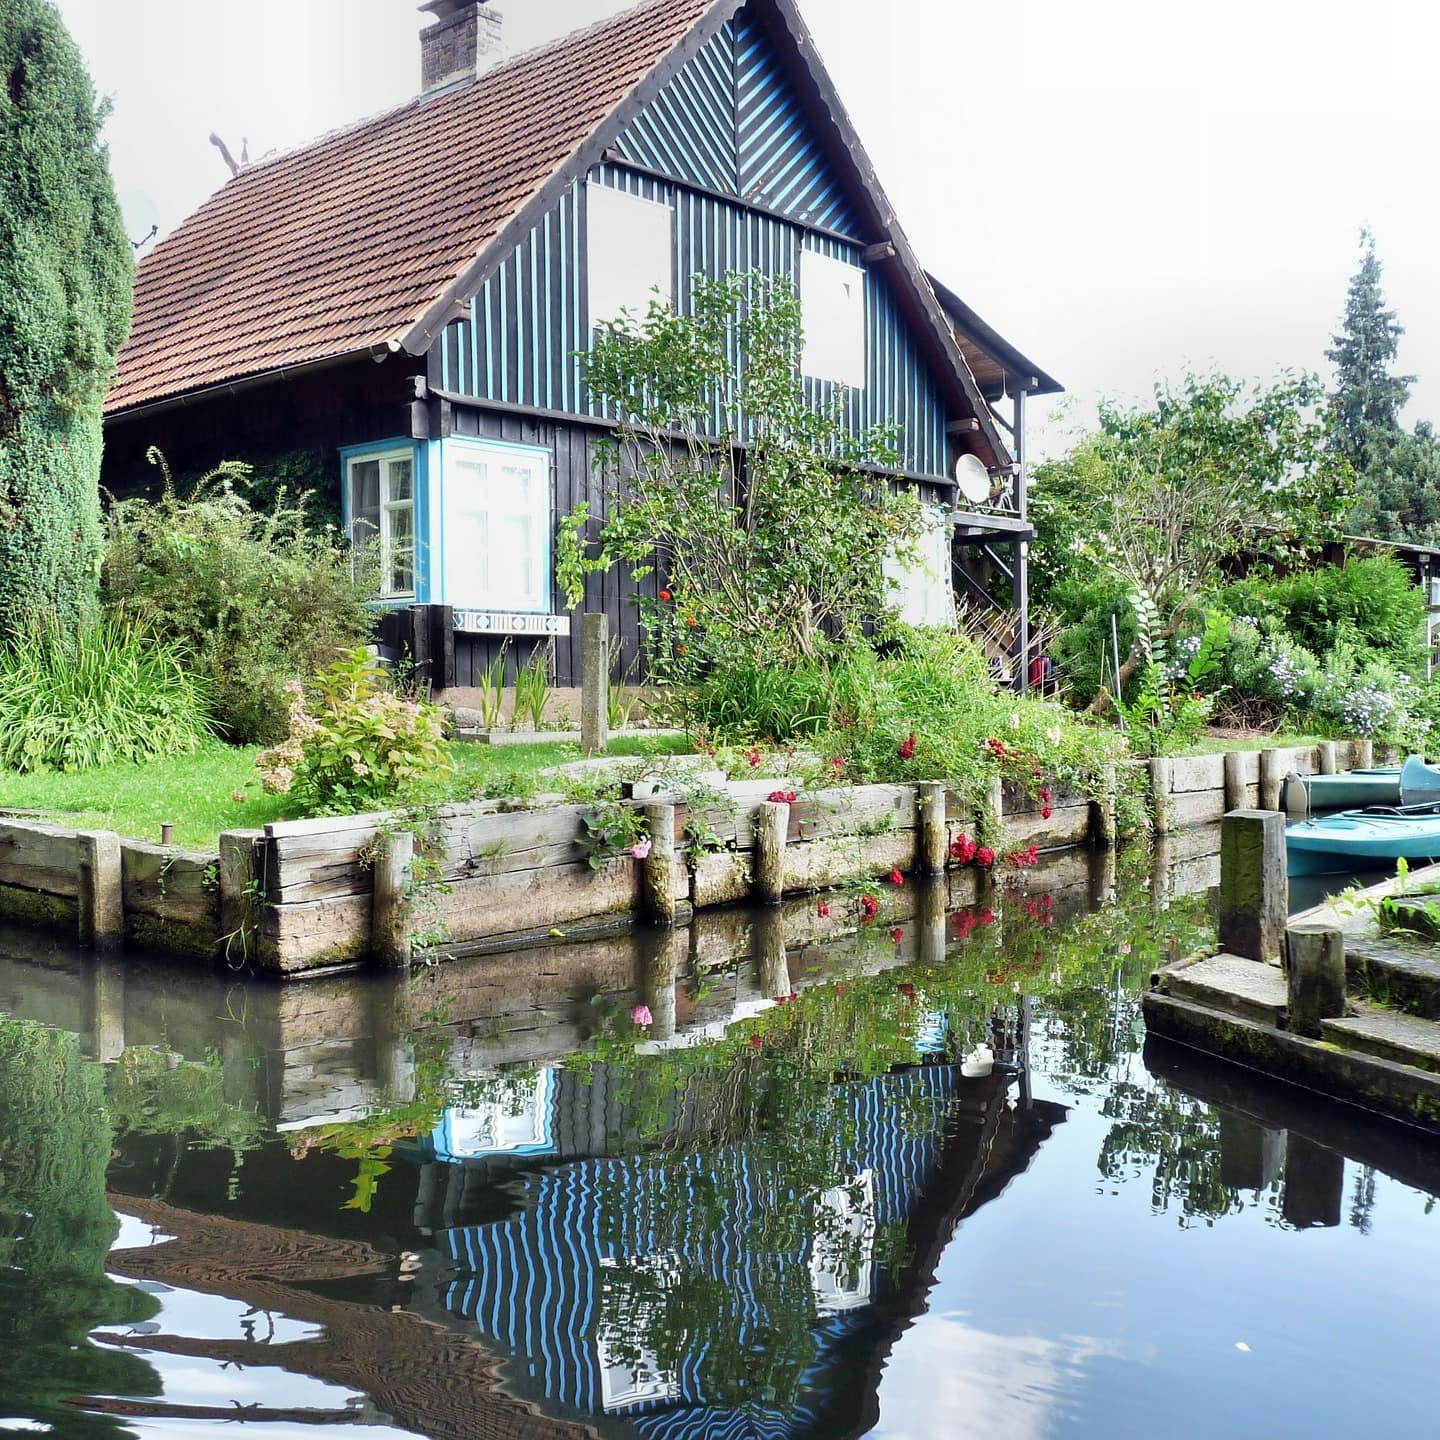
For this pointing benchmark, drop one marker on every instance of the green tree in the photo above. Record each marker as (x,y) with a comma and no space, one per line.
(65,298)
(1159,498)
(771,533)
(1367,398)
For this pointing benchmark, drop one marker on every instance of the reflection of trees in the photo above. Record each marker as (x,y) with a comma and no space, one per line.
(55,1231)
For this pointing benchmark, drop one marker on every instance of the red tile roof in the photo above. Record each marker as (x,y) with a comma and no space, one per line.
(343,245)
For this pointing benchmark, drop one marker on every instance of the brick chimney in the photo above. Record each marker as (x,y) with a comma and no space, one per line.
(463,42)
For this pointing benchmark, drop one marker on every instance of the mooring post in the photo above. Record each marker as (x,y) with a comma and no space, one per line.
(1237,791)
(1254,892)
(1314,977)
(1272,779)
(657,869)
(106,1017)
(930,898)
(1362,754)
(595,684)
(240,892)
(101,890)
(772,826)
(662,965)
(992,810)
(934,842)
(1326,757)
(1314,1193)
(390,916)
(1160,772)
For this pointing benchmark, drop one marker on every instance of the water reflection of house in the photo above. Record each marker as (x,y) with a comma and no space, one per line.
(689,1291)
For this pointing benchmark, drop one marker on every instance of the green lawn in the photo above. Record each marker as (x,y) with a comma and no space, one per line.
(193,792)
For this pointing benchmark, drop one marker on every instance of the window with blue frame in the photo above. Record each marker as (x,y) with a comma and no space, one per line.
(495,510)
(381,490)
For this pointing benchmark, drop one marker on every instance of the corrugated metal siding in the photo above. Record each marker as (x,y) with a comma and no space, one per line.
(520,342)
(533,1284)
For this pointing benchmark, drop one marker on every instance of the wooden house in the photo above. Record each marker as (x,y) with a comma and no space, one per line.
(404,301)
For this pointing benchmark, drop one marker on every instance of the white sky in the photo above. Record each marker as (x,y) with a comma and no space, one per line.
(1121,187)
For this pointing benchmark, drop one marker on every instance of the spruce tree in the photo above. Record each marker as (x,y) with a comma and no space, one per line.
(65,297)
(1368,398)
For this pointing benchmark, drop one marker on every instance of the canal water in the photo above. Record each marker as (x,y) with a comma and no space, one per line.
(755,1179)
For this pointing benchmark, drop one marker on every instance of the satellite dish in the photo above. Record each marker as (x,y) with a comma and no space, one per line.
(972,479)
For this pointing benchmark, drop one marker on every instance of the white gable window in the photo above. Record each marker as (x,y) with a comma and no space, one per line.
(382,515)
(496,508)
(832,311)
(921,580)
(630,254)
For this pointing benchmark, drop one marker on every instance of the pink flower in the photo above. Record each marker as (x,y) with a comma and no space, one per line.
(838,764)
(839,987)
(641,848)
(1124,947)
(642,1017)
(896,878)
(781,797)
(822,909)
(963,849)
(753,756)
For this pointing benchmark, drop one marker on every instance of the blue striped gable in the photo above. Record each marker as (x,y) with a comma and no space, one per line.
(782,163)
(730,121)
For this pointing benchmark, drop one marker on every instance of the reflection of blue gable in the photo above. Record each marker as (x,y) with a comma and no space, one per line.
(536,1283)
(498,1128)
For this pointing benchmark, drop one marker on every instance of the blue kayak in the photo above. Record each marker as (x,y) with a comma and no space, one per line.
(1361,839)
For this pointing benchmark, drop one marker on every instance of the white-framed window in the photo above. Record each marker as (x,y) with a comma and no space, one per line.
(382,514)
(832,312)
(922,580)
(630,254)
(496,519)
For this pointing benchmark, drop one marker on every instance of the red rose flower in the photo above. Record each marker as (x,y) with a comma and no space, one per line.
(984,856)
(896,935)
(896,878)
(907,747)
(666,597)
(756,1042)
(869,907)
(823,910)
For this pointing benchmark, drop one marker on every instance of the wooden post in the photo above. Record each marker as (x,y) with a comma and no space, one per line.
(934,846)
(1314,1193)
(106,1017)
(657,869)
(1272,779)
(101,894)
(930,897)
(595,684)
(1314,977)
(662,963)
(390,940)
(1160,772)
(1362,754)
(1326,749)
(772,826)
(1254,892)
(1236,790)
(992,810)
(240,893)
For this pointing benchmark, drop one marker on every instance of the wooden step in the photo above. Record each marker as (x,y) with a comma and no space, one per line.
(1388,1034)
(1228,983)
(1398,973)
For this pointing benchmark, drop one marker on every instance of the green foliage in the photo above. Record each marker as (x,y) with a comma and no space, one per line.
(1159,497)
(105,693)
(611,828)
(858,711)
(358,745)
(764,553)
(532,686)
(65,299)
(258,597)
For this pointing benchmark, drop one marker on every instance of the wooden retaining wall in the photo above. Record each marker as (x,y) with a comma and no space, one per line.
(301,895)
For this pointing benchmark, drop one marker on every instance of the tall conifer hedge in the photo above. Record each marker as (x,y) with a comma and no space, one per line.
(65,296)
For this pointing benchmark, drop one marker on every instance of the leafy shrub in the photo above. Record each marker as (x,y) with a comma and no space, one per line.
(925,710)
(358,745)
(257,597)
(106,693)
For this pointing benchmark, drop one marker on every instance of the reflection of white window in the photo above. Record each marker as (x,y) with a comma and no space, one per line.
(630,250)
(921,580)
(382,509)
(517,1123)
(841,1268)
(832,311)
(496,526)
(630,1372)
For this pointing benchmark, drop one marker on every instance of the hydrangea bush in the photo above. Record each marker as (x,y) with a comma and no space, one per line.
(355,743)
